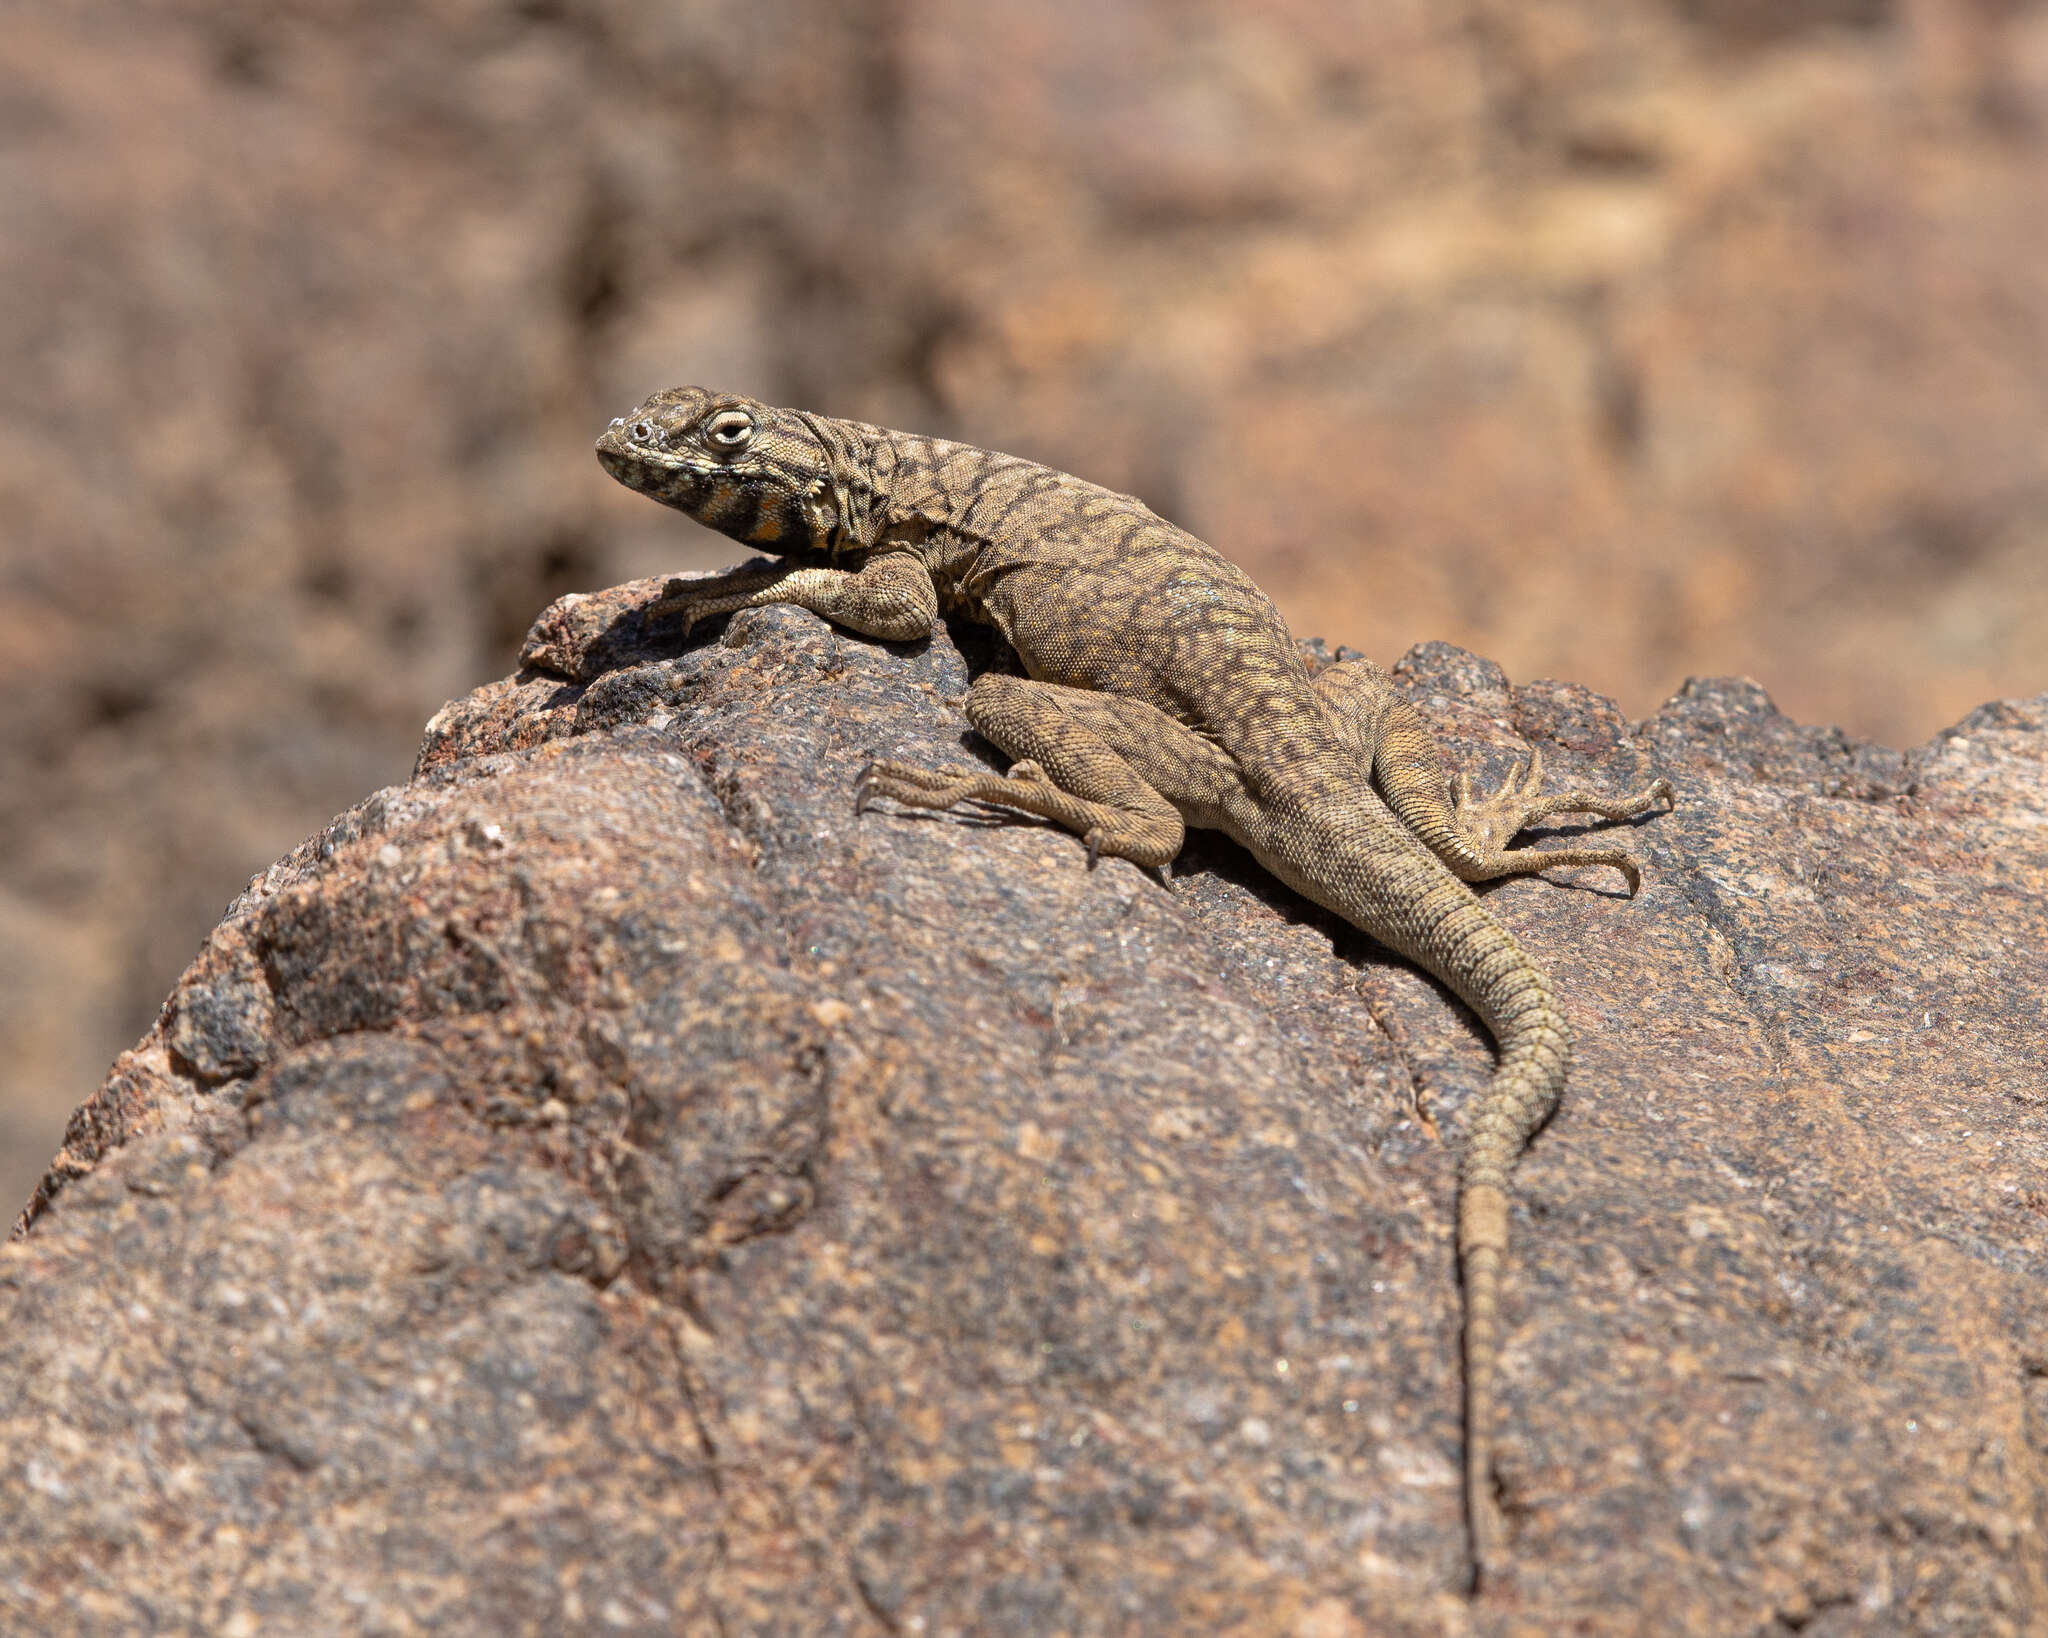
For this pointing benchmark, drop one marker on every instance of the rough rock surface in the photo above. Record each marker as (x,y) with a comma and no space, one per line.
(1615,339)
(604,1185)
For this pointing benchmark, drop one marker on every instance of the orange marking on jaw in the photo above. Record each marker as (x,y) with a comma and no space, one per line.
(720,503)
(769,527)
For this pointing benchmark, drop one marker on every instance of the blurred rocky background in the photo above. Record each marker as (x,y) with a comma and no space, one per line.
(1615,339)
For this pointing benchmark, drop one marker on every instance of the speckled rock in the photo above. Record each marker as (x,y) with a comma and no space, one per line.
(607,1186)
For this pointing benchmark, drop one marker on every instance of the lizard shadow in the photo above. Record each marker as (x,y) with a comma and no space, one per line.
(660,637)
(1214,855)
(1376,972)
(640,631)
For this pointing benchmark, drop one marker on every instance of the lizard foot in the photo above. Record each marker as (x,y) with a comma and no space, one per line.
(916,787)
(1488,823)
(683,602)
(1491,822)
(1028,788)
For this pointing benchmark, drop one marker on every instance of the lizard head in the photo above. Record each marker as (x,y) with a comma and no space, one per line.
(756,473)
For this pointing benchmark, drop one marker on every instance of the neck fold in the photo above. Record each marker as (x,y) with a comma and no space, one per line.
(855,480)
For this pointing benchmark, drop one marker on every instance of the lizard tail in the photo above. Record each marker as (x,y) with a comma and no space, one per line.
(1396,890)
(1481,1266)
(1535,1057)
(1456,937)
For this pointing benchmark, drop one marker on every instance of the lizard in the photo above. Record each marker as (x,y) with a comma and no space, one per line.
(1162,690)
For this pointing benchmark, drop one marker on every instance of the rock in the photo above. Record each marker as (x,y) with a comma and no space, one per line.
(606,1185)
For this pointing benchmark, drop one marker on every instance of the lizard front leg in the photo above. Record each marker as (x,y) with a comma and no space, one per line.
(890,596)
(1469,833)
(1115,771)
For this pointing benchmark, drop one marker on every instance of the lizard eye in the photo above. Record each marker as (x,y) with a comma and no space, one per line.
(729,431)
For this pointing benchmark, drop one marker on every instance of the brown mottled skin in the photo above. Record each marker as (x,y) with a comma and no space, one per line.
(1164,691)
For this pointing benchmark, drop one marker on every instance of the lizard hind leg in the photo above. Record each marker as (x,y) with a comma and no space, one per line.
(1065,771)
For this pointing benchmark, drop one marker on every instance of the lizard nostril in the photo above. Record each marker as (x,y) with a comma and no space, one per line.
(643,431)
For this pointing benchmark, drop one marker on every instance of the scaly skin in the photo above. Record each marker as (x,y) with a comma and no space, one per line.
(1164,691)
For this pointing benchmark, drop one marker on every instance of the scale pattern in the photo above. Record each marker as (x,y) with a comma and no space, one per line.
(1163,690)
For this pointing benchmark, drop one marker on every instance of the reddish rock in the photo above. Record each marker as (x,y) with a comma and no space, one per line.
(606,1185)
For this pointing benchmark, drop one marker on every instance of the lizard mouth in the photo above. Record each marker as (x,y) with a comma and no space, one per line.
(662,475)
